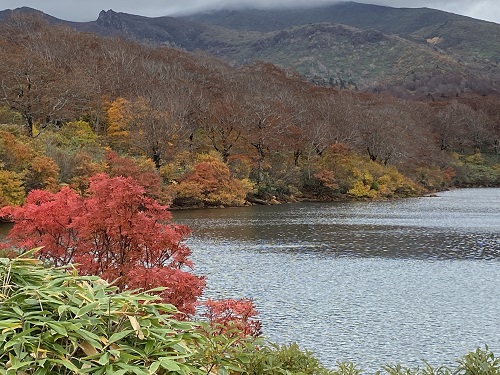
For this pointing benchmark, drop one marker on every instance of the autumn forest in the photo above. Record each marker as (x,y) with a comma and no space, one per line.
(198,132)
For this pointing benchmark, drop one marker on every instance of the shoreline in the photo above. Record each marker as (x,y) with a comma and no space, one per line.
(274,200)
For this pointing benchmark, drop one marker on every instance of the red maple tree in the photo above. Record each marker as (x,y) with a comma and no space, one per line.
(115,231)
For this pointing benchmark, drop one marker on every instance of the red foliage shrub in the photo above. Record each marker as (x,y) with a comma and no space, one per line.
(228,314)
(115,231)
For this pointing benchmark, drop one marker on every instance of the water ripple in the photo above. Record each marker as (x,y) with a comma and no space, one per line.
(369,282)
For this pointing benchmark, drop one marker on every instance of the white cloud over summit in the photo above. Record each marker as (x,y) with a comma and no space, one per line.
(75,10)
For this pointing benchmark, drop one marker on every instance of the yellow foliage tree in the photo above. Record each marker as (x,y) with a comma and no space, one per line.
(174,171)
(11,188)
(360,177)
(145,127)
(79,133)
(120,117)
(363,184)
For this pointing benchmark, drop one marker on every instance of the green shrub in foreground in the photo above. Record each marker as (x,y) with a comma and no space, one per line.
(478,362)
(290,360)
(285,360)
(55,322)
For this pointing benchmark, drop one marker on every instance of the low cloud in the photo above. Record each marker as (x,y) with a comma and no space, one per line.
(88,10)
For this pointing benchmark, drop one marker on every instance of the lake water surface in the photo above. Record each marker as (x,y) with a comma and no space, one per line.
(370,282)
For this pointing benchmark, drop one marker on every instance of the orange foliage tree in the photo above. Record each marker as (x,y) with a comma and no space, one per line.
(15,152)
(144,127)
(119,117)
(210,183)
(42,173)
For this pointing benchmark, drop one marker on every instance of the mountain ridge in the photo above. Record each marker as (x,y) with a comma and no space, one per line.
(370,46)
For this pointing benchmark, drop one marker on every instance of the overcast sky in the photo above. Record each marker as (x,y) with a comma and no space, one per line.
(88,10)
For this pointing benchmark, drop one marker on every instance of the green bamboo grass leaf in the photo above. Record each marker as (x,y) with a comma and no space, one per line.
(74,300)
(49,299)
(39,315)
(23,336)
(119,335)
(63,323)
(86,309)
(90,337)
(104,359)
(154,367)
(169,364)
(58,328)
(120,372)
(62,309)
(57,349)
(32,301)
(18,311)
(67,364)
(70,326)
(133,369)
(10,324)
(100,371)
(17,364)
(40,371)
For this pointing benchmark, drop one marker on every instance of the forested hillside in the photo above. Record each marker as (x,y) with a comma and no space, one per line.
(196,131)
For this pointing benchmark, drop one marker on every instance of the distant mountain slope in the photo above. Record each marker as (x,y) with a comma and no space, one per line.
(348,56)
(419,24)
(417,50)
(409,52)
(158,30)
(354,14)
(4,14)
(164,30)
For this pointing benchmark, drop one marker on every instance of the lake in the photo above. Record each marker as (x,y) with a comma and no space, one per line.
(370,282)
